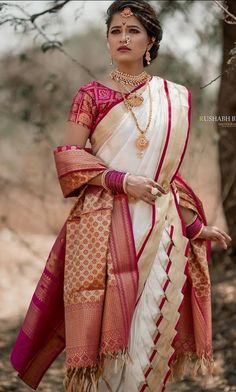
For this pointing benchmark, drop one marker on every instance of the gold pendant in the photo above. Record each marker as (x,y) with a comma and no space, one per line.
(134,99)
(141,143)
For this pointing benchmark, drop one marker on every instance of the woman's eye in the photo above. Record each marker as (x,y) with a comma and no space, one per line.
(117,31)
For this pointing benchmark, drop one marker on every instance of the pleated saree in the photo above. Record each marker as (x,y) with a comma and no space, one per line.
(123,291)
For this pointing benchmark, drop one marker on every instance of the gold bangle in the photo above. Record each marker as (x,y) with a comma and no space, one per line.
(103,179)
(125,182)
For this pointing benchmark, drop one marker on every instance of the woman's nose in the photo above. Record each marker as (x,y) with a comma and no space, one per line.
(123,36)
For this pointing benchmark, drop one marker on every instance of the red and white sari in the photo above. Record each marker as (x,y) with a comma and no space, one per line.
(131,309)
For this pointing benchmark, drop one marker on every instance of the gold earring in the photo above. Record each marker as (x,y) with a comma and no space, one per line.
(148,57)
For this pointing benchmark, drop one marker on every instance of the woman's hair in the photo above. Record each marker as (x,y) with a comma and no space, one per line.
(146,14)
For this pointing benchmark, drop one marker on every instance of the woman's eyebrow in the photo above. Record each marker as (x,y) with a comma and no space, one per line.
(114,27)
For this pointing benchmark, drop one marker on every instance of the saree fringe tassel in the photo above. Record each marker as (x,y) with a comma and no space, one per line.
(86,379)
(82,379)
(191,365)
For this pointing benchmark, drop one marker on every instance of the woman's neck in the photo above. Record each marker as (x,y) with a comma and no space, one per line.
(129,69)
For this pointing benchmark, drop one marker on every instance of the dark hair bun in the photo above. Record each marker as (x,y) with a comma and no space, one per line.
(146,14)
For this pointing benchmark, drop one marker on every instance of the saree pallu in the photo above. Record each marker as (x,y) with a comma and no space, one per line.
(146,259)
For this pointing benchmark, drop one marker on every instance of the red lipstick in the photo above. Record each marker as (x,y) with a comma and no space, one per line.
(123,48)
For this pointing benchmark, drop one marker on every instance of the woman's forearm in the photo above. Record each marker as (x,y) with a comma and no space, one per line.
(187,214)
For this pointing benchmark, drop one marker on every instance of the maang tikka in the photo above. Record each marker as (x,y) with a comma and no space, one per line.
(126,13)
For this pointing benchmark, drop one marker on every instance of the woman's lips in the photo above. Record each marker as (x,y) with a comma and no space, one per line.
(124,49)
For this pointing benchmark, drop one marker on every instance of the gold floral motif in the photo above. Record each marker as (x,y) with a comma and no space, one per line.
(142,142)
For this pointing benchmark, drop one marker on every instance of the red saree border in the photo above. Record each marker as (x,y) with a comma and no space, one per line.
(159,165)
(168,131)
(183,224)
(27,359)
(200,209)
(180,179)
(188,131)
(123,219)
(32,377)
(149,233)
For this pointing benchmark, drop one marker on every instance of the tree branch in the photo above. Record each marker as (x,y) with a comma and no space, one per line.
(48,43)
(51,10)
(227,12)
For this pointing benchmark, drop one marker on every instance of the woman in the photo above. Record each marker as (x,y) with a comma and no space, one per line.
(126,286)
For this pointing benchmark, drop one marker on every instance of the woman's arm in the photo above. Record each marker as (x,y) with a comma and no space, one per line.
(137,186)
(77,134)
(187,214)
(212,233)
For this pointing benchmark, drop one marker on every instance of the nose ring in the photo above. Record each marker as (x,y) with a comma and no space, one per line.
(127,40)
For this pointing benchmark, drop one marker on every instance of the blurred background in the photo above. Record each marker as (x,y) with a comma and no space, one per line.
(48,49)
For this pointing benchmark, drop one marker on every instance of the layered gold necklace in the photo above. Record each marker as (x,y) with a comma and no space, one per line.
(135,99)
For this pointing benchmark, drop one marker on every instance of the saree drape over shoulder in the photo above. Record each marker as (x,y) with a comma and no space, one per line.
(123,291)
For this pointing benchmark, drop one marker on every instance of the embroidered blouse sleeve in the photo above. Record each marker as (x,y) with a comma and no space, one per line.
(83,109)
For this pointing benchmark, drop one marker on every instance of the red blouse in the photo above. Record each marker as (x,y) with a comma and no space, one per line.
(90,104)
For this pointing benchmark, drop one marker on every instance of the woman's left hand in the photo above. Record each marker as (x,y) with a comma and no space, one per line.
(213,233)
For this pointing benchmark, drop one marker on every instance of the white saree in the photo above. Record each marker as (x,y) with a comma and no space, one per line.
(161,246)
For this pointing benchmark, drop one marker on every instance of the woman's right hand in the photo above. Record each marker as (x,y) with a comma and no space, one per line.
(140,187)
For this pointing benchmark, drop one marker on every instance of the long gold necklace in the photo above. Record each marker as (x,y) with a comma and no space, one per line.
(141,142)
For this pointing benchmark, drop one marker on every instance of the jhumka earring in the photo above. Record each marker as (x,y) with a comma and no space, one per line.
(147,56)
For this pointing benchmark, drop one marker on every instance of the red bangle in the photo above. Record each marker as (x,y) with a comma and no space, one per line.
(193,230)
(114,181)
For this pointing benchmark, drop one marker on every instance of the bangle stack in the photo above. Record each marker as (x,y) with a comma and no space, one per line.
(194,229)
(114,180)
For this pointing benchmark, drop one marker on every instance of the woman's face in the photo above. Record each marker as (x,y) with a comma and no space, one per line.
(139,41)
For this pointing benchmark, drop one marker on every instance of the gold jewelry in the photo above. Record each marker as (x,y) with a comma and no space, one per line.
(127,40)
(148,57)
(141,142)
(103,179)
(132,80)
(133,98)
(126,13)
(125,182)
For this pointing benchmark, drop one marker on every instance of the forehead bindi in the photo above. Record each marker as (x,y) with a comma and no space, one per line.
(118,21)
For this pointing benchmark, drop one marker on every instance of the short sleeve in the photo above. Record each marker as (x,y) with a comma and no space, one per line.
(83,109)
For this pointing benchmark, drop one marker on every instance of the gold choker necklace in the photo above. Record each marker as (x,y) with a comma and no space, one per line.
(131,80)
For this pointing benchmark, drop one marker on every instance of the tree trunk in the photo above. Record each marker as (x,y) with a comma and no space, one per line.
(227,132)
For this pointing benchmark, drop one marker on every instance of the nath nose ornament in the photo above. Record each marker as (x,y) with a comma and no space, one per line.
(127,40)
